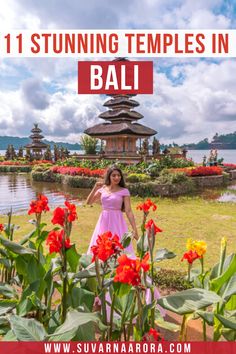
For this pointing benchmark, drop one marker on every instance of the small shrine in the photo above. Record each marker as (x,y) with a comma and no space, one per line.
(121,129)
(36,147)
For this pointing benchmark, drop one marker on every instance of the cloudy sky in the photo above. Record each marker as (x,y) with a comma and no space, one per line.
(193,98)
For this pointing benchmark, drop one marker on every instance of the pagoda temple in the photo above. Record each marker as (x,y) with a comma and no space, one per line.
(120,131)
(36,147)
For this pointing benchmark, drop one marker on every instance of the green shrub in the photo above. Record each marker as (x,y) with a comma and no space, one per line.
(89,144)
(80,182)
(7,168)
(167,177)
(137,177)
(171,279)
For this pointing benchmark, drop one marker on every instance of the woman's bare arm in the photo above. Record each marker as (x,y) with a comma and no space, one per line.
(93,195)
(130,216)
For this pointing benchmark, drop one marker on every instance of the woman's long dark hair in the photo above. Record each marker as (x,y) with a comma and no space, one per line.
(108,176)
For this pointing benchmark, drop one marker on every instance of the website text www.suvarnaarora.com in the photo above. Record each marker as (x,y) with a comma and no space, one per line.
(125,347)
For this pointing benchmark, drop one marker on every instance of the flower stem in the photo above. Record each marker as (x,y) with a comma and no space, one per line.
(112,313)
(132,316)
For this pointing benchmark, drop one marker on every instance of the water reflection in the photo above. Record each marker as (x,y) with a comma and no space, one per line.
(17,190)
(221,195)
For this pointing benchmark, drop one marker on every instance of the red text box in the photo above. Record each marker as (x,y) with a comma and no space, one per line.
(115,77)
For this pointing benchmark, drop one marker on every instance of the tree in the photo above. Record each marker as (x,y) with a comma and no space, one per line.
(89,144)
(20,152)
(56,153)
(48,155)
(10,153)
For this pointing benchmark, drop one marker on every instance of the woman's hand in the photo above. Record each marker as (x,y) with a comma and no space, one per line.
(99,184)
(135,235)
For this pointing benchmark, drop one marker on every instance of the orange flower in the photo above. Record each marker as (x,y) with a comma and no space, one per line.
(55,241)
(128,271)
(151,225)
(107,246)
(39,205)
(146,206)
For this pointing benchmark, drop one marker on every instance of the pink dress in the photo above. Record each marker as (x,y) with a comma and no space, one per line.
(111,217)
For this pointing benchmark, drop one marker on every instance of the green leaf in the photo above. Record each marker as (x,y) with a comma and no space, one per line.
(217,283)
(231,304)
(89,272)
(126,239)
(142,248)
(80,296)
(164,253)
(121,289)
(145,311)
(24,306)
(85,260)
(10,337)
(160,322)
(188,301)
(5,262)
(15,247)
(27,329)
(73,258)
(227,322)
(215,269)
(27,237)
(207,316)
(229,334)
(7,305)
(230,288)
(7,291)
(75,320)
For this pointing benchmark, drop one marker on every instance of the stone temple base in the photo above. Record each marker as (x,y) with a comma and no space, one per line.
(125,159)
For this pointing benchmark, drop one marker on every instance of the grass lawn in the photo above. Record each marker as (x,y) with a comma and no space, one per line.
(179,219)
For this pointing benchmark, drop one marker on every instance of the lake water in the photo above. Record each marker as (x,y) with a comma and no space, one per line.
(229,156)
(17,190)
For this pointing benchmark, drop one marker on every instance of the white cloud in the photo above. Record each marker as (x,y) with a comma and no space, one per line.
(192,99)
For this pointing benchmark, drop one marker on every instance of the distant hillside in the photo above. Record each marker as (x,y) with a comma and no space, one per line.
(17,142)
(223,142)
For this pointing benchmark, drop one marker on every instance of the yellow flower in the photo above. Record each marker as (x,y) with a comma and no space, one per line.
(223,242)
(198,246)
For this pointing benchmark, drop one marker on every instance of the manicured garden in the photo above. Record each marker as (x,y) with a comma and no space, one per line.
(56,299)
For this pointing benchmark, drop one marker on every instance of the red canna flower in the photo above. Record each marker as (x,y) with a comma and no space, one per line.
(152,336)
(55,241)
(151,225)
(128,271)
(144,262)
(39,205)
(107,246)
(58,216)
(1,227)
(190,256)
(146,206)
(71,215)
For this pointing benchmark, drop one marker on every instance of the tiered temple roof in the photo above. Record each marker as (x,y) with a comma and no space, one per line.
(120,119)
(36,137)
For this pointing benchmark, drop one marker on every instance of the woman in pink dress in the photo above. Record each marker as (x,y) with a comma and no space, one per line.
(115,198)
